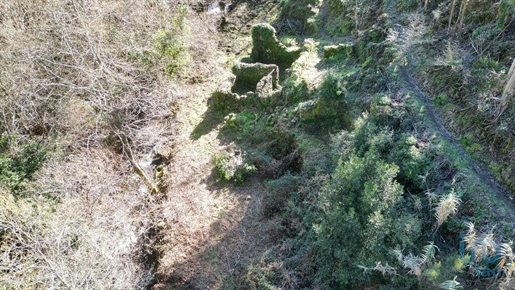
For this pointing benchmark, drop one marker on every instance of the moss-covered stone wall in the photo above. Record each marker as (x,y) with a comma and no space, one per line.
(267,48)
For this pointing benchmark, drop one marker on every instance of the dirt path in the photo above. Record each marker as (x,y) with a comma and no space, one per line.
(213,230)
(501,194)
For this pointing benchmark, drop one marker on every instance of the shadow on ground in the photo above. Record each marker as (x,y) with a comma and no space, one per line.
(210,120)
(235,240)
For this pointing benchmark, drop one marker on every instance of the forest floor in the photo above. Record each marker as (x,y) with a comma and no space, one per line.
(215,229)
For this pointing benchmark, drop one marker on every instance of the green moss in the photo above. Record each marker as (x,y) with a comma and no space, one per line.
(267,48)
(342,49)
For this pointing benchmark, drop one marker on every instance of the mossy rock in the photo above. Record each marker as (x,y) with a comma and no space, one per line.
(267,48)
(225,101)
(302,13)
(250,76)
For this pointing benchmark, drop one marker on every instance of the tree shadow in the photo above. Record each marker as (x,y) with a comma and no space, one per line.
(233,243)
(210,120)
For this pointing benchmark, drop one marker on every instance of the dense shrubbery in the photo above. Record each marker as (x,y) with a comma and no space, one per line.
(363,218)
(363,192)
(366,213)
(466,74)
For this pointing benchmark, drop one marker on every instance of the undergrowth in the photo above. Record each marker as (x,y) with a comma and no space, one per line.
(389,199)
(85,91)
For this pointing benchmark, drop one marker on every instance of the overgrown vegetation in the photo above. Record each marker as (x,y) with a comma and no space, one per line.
(382,139)
(468,77)
(389,202)
(18,162)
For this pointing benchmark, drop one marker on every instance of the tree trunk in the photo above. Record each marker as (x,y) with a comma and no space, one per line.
(508,91)
(461,15)
(451,16)
(510,85)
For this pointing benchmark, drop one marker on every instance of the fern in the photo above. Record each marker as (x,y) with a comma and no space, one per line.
(446,206)
(451,284)
(416,263)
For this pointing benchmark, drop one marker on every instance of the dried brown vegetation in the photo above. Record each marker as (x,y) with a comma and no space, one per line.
(76,76)
(111,90)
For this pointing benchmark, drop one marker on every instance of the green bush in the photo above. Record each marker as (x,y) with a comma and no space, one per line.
(228,168)
(361,221)
(278,193)
(242,121)
(244,171)
(264,274)
(413,160)
(331,110)
(19,160)
(223,167)
(170,44)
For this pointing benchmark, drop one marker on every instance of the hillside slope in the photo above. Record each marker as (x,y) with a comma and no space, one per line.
(257,144)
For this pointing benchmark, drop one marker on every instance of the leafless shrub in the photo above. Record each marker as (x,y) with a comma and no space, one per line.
(83,230)
(452,57)
(406,37)
(70,244)
(79,74)
(99,57)
(380,268)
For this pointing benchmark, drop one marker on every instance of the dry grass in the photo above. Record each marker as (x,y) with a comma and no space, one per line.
(75,74)
(415,264)
(86,237)
(78,74)
(446,206)
(215,230)
(96,56)
(484,247)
